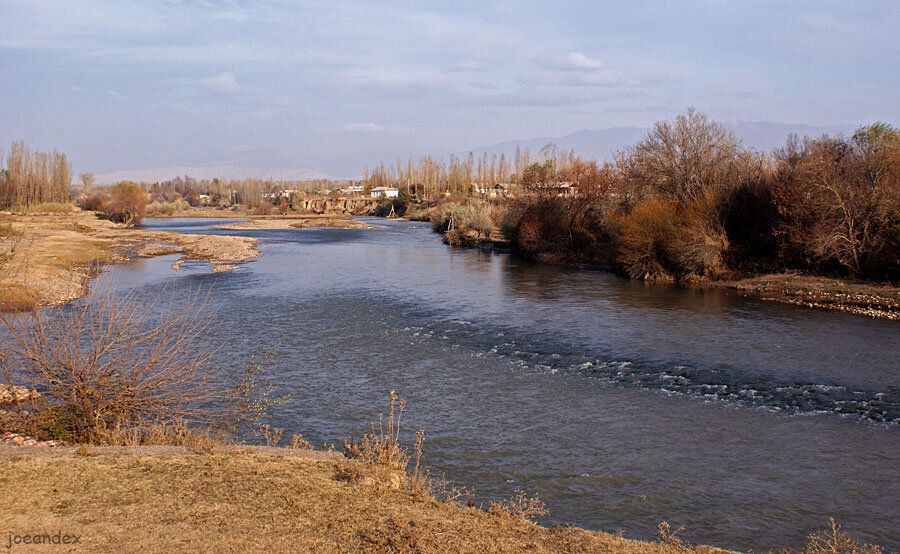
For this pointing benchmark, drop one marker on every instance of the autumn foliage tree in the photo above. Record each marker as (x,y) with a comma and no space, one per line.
(127,204)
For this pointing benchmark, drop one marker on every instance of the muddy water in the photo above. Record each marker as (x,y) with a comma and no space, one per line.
(621,404)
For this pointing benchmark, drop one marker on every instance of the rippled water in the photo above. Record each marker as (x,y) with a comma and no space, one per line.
(620,403)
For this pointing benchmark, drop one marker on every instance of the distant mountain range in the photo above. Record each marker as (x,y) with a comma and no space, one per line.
(602,144)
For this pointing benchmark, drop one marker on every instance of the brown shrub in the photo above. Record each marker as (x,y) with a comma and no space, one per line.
(113,363)
(128,203)
(520,506)
(662,240)
(835,541)
(96,202)
(464,222)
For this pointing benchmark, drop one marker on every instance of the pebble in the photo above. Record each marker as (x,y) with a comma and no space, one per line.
(8,438)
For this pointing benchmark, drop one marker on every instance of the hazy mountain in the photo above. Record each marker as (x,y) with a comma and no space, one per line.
(603,144)
(258,163)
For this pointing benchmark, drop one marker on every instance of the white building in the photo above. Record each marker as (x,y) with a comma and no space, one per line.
(384,192)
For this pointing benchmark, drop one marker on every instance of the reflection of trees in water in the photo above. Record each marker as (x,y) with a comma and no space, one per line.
(606,290)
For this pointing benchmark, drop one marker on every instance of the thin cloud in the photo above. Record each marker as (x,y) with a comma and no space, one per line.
(223,82)
(372,127)
(467,65)
(573,61)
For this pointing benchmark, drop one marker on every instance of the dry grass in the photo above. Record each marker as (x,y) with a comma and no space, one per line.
(834,541)
(59,253)
(234,501)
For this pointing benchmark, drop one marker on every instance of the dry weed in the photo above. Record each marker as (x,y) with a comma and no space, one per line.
(521,506)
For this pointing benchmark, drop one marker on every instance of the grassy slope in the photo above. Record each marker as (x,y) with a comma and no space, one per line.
(237,501)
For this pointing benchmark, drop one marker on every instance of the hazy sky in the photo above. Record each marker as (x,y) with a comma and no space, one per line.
(127,85)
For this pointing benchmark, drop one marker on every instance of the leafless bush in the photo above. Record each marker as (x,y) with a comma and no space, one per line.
(520,506)
(382,446)
(683,159)
(115,362)
(669,536)
(833,541)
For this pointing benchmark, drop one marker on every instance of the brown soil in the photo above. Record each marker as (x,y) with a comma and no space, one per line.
(52,257)
(225,501)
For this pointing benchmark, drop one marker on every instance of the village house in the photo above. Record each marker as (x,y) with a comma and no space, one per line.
(352,189)
(384,192)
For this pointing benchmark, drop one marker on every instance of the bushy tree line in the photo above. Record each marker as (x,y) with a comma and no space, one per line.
(690,201)
(30,178)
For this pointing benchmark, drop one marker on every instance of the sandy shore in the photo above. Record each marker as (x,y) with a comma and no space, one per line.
(49,259)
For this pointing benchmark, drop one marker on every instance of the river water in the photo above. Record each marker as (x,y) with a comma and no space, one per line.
(621,404)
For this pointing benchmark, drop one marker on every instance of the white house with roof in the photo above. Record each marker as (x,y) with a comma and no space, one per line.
(384,192)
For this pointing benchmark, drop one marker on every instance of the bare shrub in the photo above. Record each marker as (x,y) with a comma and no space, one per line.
(839,199)
(520,506)
(261,208)
(382,446)
(95,202)
(834,541)
(110,362)
(669,536)
(552,221)
(155,209)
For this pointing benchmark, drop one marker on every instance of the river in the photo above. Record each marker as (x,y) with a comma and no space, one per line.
(620,403)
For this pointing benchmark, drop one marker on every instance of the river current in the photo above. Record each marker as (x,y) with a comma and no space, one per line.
(620,403)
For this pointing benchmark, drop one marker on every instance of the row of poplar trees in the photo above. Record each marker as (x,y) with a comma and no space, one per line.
(30,178)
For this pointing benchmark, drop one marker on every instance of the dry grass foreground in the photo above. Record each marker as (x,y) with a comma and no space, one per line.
(48,259)
(229,501)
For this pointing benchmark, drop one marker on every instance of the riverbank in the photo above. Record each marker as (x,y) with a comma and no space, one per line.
(49,259)
(168,499)
(876,300)
(857,297)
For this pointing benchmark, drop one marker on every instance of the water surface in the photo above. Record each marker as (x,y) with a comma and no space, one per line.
(620,403)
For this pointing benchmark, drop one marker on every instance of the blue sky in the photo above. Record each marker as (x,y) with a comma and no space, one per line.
(129,85)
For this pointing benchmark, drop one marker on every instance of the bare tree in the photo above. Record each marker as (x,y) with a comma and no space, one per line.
(115,361)
(682,159)
(87,182)
(839,198)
